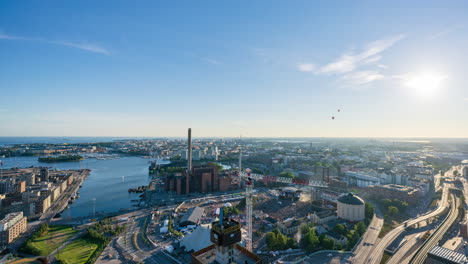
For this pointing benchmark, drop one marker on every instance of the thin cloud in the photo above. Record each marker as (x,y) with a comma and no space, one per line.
(349,62)
(363,77)
(82,46)
(445,32)
(8,37)
(466,99)
(306,67)
(212,61)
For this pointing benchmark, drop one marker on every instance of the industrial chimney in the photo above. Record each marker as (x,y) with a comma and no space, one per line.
(189,151)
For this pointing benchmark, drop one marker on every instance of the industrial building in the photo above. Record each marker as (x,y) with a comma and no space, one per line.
(351,207)
(197,179)
(11,227)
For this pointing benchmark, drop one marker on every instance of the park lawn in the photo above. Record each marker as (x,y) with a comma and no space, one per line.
(77,252)
(25,261)
(56,236)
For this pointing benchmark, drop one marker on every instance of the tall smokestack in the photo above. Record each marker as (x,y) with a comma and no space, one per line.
(189,150)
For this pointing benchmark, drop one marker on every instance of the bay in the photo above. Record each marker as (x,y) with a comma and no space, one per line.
(108,182)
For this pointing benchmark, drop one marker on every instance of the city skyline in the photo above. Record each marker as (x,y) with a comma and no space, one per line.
(308,69)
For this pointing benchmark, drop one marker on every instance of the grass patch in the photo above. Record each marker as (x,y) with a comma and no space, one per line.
(25,261)
(77,252)
(386,257)
(434,203)
(385,229)
(43,245)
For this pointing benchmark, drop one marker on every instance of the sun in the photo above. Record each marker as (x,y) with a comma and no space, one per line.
(425,84)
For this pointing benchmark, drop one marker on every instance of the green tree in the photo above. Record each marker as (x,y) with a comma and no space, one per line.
(278,241)
(218,166)
(291,243)
(271,240)
(340,229)
(369,210)
(386,202)
(392,210)
(310,241)
(287,174)
(327,243)
(353,238)
(176,157)
(360,228)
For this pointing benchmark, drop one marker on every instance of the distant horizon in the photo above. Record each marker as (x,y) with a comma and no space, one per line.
(246,137)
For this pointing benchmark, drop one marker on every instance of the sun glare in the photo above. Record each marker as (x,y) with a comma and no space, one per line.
(425,84)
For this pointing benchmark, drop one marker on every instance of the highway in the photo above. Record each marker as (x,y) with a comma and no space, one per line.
(377,251)
(369,239)
(421,255)
(407,250)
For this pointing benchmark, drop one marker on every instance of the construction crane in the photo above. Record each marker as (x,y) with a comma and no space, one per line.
(249,179)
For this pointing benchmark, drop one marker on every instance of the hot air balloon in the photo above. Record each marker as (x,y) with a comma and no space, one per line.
(333,118)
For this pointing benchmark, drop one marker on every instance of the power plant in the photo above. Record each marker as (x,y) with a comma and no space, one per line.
(198,179)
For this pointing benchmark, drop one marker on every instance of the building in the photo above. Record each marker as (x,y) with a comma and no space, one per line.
(63,186)
(404,193)
(11,227)
(454,244)
(204,179)
(44,174)
(30,178)
(7,186)
(42,204)
(199,179)
(55,193)
(290,193)
(322,216)
(465,171)
(464,229)
(192,216)
(198,239)
(339,239)
(289,226)
(441,255)
(225,235)
(20,186)
(360,180)
(351,207)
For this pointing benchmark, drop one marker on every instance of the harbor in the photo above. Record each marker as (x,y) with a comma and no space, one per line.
(105,189)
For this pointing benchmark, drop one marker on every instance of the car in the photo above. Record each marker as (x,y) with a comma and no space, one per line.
(330,255)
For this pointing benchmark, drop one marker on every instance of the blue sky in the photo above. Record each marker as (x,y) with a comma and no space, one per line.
(229,68)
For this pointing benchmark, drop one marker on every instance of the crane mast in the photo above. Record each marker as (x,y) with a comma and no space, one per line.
(249,209)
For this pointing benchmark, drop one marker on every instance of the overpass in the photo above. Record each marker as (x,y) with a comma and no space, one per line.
(421,254)
(373,255)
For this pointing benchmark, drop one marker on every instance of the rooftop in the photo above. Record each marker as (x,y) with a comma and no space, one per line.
(193,215)
(207,255)
(449,256)
(351,199)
